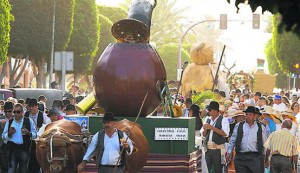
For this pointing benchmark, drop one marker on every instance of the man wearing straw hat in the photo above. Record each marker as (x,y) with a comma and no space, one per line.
(248,138)
(107,145)
(238,116)
(288,114)
(267,119)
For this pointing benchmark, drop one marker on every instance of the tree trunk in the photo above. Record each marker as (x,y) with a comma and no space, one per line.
(41,73)
(44,81)
(21,72)
(38,71)
(76,78)
(89,83)
(58,77)
(3,71)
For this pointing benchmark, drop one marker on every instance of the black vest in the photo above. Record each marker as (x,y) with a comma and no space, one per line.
(40,119)
(216,138)
(100,147)
(240,137)
(26,138)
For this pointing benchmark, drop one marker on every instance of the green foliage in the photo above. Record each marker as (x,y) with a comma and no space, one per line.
(274,66)
(289,11)
(165,23)
(187,47)
(199,98)
(5,18)
(168,54)
(85,37)
(105,38)
(113,13)
(31,32)
(286,47)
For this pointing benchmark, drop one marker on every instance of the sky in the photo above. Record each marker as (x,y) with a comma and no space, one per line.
(244,44)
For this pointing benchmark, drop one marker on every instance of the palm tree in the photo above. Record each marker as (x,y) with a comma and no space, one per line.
(165,22)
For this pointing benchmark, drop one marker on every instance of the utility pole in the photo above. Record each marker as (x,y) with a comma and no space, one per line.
(52,46)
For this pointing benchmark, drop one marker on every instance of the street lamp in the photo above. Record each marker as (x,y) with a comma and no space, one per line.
(223,25)
(179,65)
(52,46)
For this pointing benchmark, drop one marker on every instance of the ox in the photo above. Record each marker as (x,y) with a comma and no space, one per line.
(138,158)
(60,147)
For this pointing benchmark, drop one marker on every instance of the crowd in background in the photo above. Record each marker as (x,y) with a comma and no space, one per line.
(23,121)
(273,113)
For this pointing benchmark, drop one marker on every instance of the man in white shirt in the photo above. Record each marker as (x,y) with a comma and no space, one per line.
(215,130)
(278,105)
(262,103)
(39,118)
(188,104)
(248,101)
(19,132)
(106,145)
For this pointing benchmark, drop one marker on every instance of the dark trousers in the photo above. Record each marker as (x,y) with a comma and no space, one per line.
(3,159)
(262,163)
(104,169)
(280,164)
(213,158)
(247,162)
(19,157)
(33,166)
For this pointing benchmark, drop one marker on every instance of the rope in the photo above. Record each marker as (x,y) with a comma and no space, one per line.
(130,131)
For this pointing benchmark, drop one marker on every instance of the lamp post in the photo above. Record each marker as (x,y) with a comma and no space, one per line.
(223,25)
(52,46)
(179,65)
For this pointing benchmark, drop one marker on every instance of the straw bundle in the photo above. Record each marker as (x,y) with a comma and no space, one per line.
(196,77)
(202,54)
(264,83)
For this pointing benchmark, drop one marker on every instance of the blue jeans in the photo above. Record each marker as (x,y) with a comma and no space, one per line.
(21,158)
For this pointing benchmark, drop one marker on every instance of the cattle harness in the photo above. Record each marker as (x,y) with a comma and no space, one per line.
(59,138)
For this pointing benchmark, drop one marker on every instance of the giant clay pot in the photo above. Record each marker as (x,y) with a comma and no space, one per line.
(124,73)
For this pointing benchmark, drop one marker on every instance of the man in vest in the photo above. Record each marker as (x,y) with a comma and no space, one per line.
(39,118)
(248,138)
(8,114)
(215,130)
(107,144)
(19,132)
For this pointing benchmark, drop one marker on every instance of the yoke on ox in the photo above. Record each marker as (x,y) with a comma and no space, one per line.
(60,147)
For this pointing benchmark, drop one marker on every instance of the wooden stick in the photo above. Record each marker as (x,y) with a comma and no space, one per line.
(130,131)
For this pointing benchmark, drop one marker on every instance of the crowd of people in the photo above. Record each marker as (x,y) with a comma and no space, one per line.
(21,123)
(248,132)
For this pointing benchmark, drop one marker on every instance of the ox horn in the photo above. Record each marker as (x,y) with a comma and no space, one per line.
(75,141)
(40,140)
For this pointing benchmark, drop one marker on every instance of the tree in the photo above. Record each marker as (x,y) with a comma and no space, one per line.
(168,54)
(85,37)
(289,11)
(31,34)
(113,13)
(165,27)
(5,18)
(273,66)
(286,47)
(105,38)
